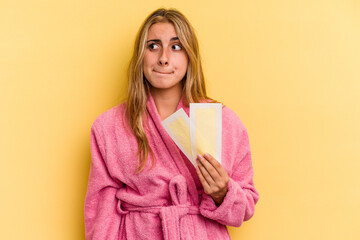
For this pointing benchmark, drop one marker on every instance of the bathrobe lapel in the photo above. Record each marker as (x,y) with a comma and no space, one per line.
(171,146)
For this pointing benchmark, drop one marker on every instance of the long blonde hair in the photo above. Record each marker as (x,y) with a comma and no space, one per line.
(193,83)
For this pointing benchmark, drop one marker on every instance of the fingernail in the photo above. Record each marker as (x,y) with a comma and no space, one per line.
(199,156)
(206,155)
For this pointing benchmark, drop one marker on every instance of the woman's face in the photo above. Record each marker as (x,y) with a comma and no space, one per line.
(165,61)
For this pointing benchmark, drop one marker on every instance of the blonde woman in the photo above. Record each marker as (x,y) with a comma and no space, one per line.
(141,186)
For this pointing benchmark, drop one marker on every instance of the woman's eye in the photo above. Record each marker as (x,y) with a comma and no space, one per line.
(176,47)
(153,46)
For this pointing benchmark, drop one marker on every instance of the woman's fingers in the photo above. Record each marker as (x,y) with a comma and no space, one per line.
(213,176)
(205,174)
(203,181)
(208,168)
(216,165)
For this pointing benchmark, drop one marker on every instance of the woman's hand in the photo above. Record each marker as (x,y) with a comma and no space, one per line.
(213,177)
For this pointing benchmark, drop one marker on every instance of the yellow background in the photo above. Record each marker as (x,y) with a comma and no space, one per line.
(290,69)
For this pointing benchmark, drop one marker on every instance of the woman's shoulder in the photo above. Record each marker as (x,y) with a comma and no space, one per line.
(231,120)
(110,117)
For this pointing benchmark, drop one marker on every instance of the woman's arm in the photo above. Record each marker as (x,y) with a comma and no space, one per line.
(102,221)
(238,204)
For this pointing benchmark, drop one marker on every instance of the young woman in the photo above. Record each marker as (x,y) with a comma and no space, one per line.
(141,186)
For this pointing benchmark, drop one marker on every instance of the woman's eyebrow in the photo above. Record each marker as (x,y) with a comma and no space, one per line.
(158,40)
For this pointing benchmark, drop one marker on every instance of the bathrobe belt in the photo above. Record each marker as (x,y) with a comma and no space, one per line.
(170,215)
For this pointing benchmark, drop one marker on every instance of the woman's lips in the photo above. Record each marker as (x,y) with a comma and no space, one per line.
(160,72)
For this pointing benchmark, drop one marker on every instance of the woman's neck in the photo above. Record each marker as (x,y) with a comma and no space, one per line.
(166,100)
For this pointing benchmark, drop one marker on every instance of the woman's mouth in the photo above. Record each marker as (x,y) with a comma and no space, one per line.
(162,72)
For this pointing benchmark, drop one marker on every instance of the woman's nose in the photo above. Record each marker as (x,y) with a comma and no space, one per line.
(164,57)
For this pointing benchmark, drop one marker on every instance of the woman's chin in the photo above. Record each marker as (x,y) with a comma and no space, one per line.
(165,86)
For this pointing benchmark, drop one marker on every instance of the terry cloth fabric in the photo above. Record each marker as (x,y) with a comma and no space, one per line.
(167,201)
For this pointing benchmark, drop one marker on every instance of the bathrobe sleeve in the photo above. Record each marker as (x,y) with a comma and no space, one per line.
(239,202)
(102,221)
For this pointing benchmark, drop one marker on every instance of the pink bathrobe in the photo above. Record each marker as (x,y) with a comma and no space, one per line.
(168,201)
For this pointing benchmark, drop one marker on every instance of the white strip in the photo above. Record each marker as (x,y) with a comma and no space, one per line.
(180,114)
(194,132)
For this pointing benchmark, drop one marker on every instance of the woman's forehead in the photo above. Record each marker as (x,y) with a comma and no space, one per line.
(163,31)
